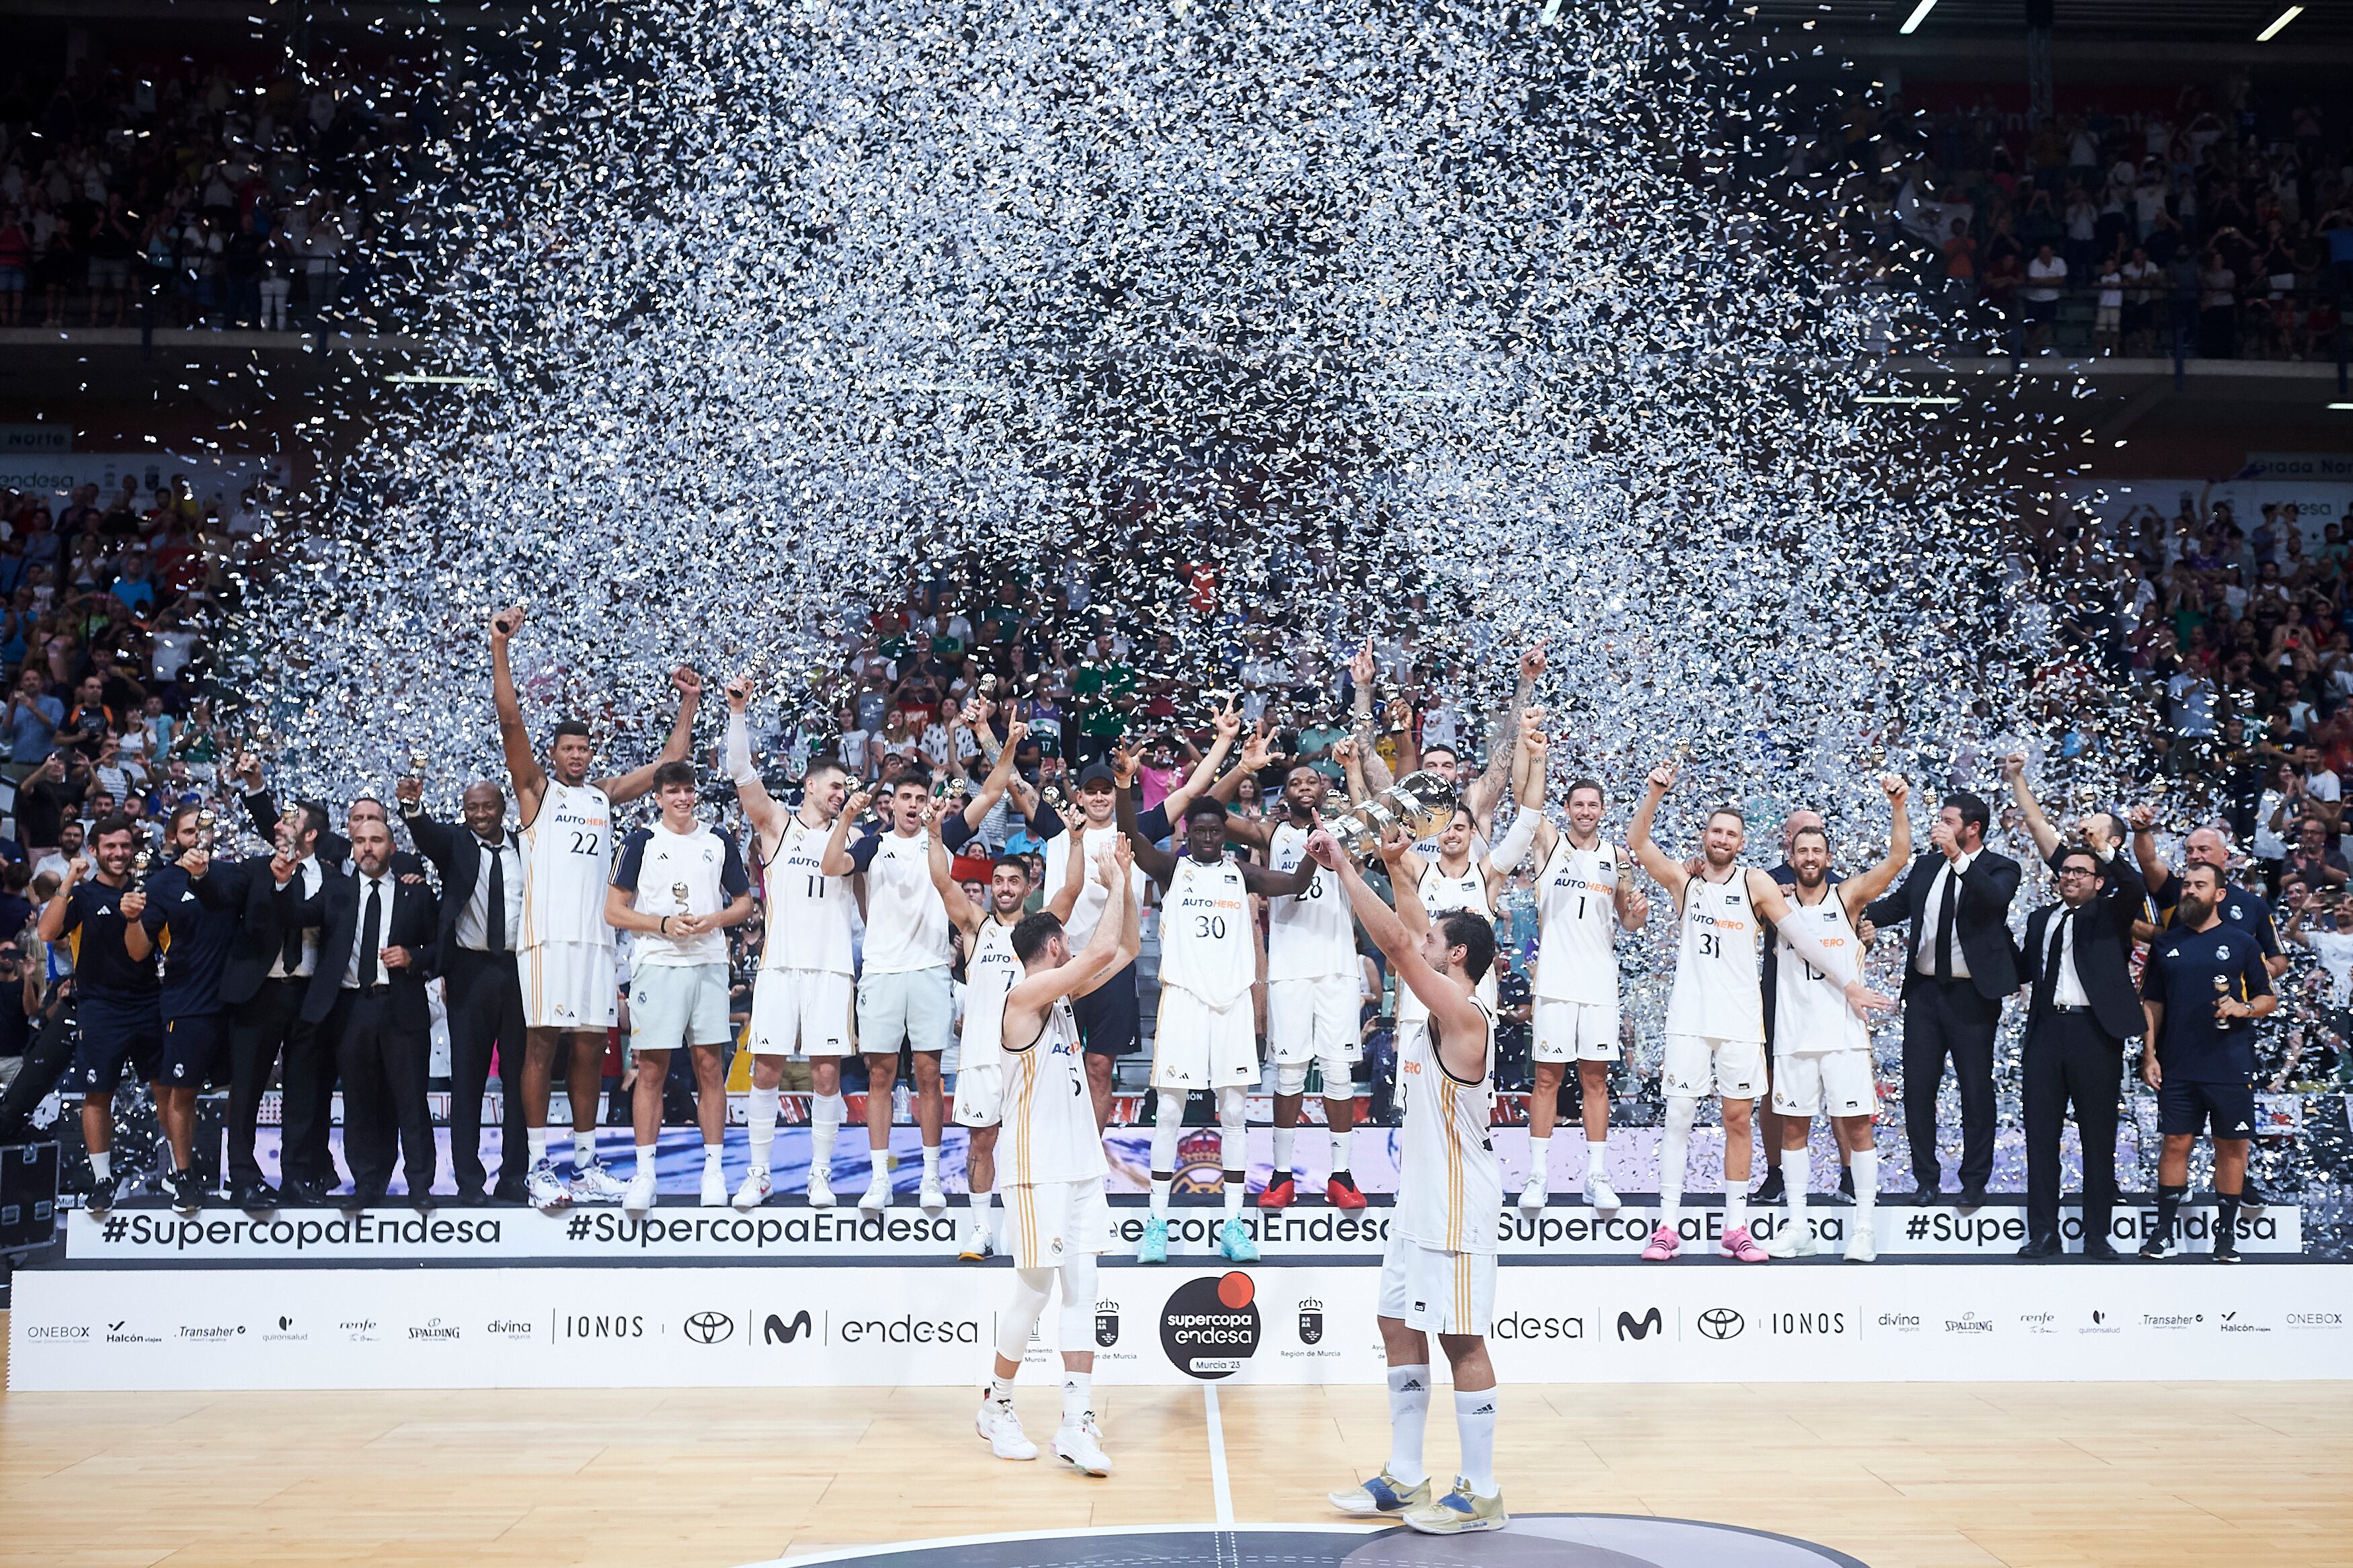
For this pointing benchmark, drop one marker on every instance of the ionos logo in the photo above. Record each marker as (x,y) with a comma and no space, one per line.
(1210,1327)
(1519,1326)
(1720,1323)
(600,1326)
(1106,1324)
(708,1328)
(776,1331)
(1806,1325)
(1311,1321)
(1630,1327)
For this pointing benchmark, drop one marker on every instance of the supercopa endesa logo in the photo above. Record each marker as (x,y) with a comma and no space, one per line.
(1211,1326)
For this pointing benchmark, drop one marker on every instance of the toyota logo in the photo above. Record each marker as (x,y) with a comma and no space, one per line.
(1719,1324)
(709,1328)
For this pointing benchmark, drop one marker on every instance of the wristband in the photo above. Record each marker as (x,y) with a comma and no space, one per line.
(664,928)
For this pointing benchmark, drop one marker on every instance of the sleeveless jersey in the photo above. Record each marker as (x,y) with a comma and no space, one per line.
(989,975)
(1205,932)
(1577,922)
(1716,994)
(1439,894)
(1810,1010)
(808,911)
(1049,1132)
(1312,934)
(1449,1191)
(906,924)
(567,855)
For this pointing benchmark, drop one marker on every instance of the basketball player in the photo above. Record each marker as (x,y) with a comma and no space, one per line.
(990,971)
(1715,1013)
(1584,887)
(1482,792)
(194,941)
(1822,1047)
(569,992)
(116,993)
(1056,1219)
(678,887)
(1208,1033)
(1438,1272)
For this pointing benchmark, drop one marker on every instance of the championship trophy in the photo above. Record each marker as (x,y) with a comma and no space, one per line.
(1419,803)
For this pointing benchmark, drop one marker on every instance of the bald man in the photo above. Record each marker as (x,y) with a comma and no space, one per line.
(2206,846)
(481,914)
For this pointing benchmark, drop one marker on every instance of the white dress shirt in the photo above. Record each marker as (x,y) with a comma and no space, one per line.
(2059,961)
(473,919)
(390,885)
(1930,932)
(308,875)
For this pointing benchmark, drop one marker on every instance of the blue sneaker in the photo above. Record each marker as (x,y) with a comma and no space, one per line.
(1234,1241)
(1154,1247)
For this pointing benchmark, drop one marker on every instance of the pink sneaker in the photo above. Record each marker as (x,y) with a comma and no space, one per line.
(1737,1243)
(1663,1244)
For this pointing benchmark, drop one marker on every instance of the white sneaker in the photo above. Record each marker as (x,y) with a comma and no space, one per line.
(1002,1429)
(1794,1239)
(638,1198)
(820,1189)
(933,1197)
(876,1195)
(596,1183)
(1081,1446)
(1534,1196)
(1862,1246)
(754,1190)
(715,1186)
(977,1242)
(1602,1194)
(546,1187)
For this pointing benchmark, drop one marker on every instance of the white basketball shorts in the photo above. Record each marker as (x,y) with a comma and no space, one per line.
(1437,1291)
(1574,1031)
(1310,1019)
(1816,1083)
(1047,1224)
(980,1096)
(569,986)
(1201,1046)
(1698,1066)
(801,1012)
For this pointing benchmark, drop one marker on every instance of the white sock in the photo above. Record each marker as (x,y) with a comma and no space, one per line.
(932,1162)
(646,1159)
(1283,1137)
(1408,1414)
(878,1165)
(1736,1202)
(1160,1190)
(767,1104)
(1237,1185)
(101,1163)
(537,1138)
(1674,1150)
(1474,1424)
(1540,1162)
(979,1198)
(1078,1396)
(1797,1170)
(827,1113)
(1866,1182)
(1001,1389)
(711,1153)
(1167,1127)
(1234,1146)
(1340,1141)
(583,1149)
(1597,1163)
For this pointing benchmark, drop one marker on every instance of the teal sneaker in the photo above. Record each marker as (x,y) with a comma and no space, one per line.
(1234,1241)
(1154,1247)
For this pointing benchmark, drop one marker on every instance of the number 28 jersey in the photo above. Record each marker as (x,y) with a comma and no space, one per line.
(567,864)
(808,911)
(1716,995)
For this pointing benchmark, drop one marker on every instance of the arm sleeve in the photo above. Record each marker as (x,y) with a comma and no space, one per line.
(738,758)
(862,853)
(2259,979)
(1046,824)
(1514,847)
(735,880)
(2266,930)
(633,859)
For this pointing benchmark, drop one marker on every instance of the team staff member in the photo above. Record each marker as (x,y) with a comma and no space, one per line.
(194,940)
(2205,981)
(116,993)
(481,914)
(2240,907)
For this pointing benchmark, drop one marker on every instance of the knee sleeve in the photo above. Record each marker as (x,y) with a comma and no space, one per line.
(1233,1108)
(1033,1288)
(1682,1110)
(1079,1303)
(1167,1127)
(1290,1078)
(828,1111)
(1339,1078)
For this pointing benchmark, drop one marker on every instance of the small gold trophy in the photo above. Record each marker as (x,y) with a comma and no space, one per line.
(1419,802)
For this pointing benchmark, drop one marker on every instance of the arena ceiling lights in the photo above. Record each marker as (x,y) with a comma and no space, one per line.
(1919,15)
(2268,34)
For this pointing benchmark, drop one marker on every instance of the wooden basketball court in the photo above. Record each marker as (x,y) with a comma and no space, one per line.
(1900,1475)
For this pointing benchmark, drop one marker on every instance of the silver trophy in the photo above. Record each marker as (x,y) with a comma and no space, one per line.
(1419,803)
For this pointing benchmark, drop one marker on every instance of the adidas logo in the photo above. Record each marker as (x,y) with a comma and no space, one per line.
(1486,1409)
(1411,1386)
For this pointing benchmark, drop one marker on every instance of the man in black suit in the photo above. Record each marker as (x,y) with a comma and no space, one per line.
(366,998)
(1960,966)
(481,914)
(334,848)
(272,958)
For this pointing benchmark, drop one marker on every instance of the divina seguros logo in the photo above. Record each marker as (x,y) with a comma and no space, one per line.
(1210,1327)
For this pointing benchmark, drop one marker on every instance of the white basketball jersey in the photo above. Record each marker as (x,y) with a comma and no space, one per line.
(989,975)
(1576,923)
(1449,1192)
(1439,894)
(1205,932)
(1094,898)
(1715,993)
(1049,1132)
(1810,1010)
(1312,934)
(906,924)
(1430,850)
(808,911)
(567,864)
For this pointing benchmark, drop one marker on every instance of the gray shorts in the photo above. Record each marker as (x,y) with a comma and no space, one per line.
(672,1005)
(915,1006)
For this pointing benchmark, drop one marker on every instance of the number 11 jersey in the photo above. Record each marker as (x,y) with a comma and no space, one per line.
(808,911)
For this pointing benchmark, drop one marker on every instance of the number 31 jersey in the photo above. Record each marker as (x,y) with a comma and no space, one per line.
(808,911)
(1716,996)
(568,864)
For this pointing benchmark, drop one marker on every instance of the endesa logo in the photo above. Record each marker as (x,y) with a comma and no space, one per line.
(1523,1326)
(1210,1327)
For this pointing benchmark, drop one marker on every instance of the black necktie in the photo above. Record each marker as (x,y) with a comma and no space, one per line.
(291,954)
(1945,922)
(494,916)
(2058,951)
(371,935)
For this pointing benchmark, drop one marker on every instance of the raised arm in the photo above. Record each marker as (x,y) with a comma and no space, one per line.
(1397,933)
(1074,882)
(759,807)
(628,786)
(1841,964)
(1856,892)
(1369,774)
(2037,825)
(1272,884)
(962,912)
(523,771)
(2154,872)
(1668,874)
(1159,864)
(837,860)
(1228,722)
(1108,951)
(1487,789)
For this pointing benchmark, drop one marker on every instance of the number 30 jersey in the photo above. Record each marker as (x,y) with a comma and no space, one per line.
(568,864)
(808,911)
(1205,932)
(1716,996)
